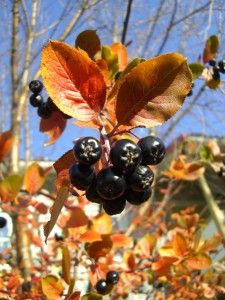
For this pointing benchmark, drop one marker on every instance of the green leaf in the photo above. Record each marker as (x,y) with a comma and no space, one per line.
(111,59)
(196,70)
(91,296)
(211,48)
(206,154)
(10,187)
(213,84)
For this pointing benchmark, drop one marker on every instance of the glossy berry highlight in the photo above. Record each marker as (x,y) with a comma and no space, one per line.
(81,176)
(36,100)
(141,179)
(153,150)
(87,150)
(102,287)
(36,86)
(112,277)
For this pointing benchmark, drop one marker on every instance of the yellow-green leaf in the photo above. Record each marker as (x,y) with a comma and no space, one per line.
(211,48)
(111,59)
(52,287)
(10,187)
(196,70)
(91,296)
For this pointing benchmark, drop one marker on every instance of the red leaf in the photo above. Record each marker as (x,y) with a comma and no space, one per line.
(6,142)
(53,126)
(73,81)
(77,218)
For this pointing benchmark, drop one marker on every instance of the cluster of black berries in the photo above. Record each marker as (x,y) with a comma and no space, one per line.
(3,222)
(104,286)
(129,178)
(217,68)
(45,109)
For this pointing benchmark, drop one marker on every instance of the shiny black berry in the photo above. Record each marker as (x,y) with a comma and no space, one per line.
(141,179)
(153,150)
(92,195)
(212,62)
(112,277)
(81,176)
(51,105)
(125,155)
(36,100)
(36,86)
(221,65)
(137,198)
(110,184)
(216,73)
(87,150)
(115,206)
(102,287)
(43,111)
(3,222)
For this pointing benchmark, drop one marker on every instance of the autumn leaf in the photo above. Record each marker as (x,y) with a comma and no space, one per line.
(56,209)
(52,287)
(180,245)
(129,260)
(73,81)
(6,142)
(121,52)
(100,248)
(10,187)
(74,296)
(88,41)
(146,245)
(102,223)
(111,59)
(211,243)
(53,126)
(34,178)
(163,264)
(64,162)
(196,70)
(211,48)
(121,240)
(66,261)
(77,218)
(200,261)
(90,236)
(91,296)
(153,91)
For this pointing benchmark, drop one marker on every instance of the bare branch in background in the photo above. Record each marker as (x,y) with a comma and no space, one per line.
(126,22)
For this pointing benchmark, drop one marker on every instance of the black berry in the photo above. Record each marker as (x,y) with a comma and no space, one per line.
(102,287)
(153,150)
(58,238)
(43,111)
(36,86)
(36,100)
(26,286)
(3,222)
(87,150)
(92,195)
(81,176)
(110,184)
(212,62)
(141,179)
(221,65)
(216,73)
(115,206)
(125,155)
(137,198)
(51,105)
(112,277)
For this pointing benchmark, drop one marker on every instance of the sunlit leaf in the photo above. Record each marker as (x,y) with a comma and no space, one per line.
(73,81)
(34,178)
(74,296)
(90,236)
(121,52)
(88,41)
(10,187)
(56,209)
(111,59)
(205,153)
(153,91)
(196,70)
(66,261)
(100,248)
(211,244)
(211,48)
(77,218)
(52,287)
(6,142)
(146,245)
(121,240)
(129,260)
(102,224)
(163,265)
(199,261)
(179,244)
(64,162)
(53,127)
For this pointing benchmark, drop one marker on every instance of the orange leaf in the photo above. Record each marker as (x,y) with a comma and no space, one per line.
(34,178)
(90,236)
(211,244)
(102,64)
(194,171)
(13,283)
(56,209)
(199,261)
(74,296)
(102,223)
(73,81)
(88,41)
(121,240)
(77,218)
(100,248)
(129,260)
(121,51)
(66,264)
(53,126)
(41,207)
(146,245)
(153,91)
(180,246)
(95,124)
(64,162)
(52,287)
(6,142)
(162,266)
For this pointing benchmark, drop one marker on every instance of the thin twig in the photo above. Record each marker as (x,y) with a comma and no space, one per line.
(126,22)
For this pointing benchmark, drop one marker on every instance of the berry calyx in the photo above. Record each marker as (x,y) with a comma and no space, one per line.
(110,184)
(36,100)
(112,277)
(87,150)
(43,111)
(221,65)
(137,198)
(81,176)
(102,287)
(125,155)
(153,150)
(92,195)
(141,179)
(115,206)
(36,86)
(3,222)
